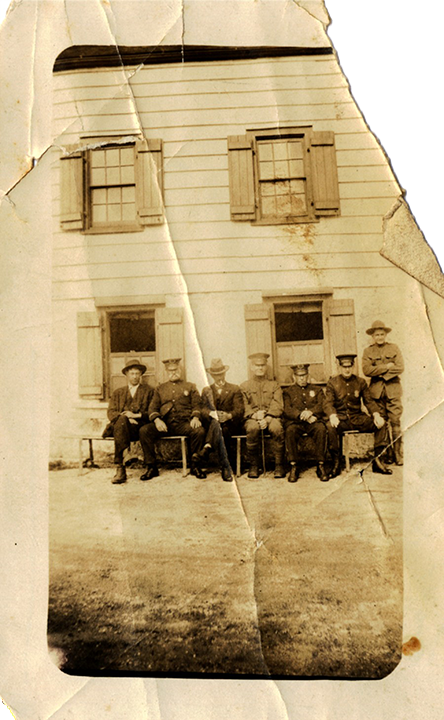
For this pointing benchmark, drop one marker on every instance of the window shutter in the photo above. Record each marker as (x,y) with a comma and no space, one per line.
(258,331)
(150,182)
(169,338)
(324,174)
(342,330)
(89,341)
(241,175)
(72,191)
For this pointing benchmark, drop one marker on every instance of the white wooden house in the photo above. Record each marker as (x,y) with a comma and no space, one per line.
(215,198)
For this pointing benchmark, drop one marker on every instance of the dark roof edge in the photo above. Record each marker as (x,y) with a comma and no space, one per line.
(79,57)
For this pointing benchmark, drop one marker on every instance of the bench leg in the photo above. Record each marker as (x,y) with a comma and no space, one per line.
(80,457)
(346,451)
(183,447)
(238,456)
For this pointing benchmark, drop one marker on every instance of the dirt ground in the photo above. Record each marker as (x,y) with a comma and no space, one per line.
(260,577)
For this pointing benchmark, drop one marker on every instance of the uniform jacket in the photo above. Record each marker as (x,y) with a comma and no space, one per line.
(343,397)
(121,400)
(175,401)
(297,399)
(229,399)
(262,395)
(374,365)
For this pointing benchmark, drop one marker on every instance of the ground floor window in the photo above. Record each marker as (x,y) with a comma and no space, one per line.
(131,334)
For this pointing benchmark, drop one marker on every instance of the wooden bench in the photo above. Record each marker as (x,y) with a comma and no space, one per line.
(239,439)
(346,444)
(91,438)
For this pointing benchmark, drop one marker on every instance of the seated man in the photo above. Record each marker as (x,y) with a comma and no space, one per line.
(263,409)
(175,409)
(127,413)
(222,412)
(382,362)
(303,412)
(343,396)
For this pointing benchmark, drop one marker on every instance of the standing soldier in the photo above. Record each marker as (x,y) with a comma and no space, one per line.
(382,362)
(263,409)
(222,413)
(175,408)
(303,412)
(343,396)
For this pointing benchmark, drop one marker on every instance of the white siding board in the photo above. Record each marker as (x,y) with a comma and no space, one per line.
(365,174)
(350,158)
(195,179)
(368,190)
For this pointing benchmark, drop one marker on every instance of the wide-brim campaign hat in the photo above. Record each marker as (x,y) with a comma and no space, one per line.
(377,325)
(346,359)
(217,367)
(134,364)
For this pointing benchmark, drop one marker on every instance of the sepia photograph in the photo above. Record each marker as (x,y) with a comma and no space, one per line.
(223,406)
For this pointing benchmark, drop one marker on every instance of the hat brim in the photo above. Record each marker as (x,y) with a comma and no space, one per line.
(219,371)
(372,330)
(142,368)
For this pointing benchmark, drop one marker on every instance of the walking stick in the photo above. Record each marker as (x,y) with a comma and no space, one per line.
(263,451)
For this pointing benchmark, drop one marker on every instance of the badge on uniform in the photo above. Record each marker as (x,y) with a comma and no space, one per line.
(356,393)
(186,393)
(312,393)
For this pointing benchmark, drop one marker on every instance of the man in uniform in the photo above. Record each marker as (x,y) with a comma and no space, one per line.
(303,412)
(263,409)
(343,396)
(127,413)
(222,414)
(175,408)
(382,362)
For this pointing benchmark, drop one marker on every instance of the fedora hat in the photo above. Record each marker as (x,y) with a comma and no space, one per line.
(134,364)
(217,367)
(377,325)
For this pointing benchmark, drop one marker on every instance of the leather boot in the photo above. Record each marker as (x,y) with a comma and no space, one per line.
(322,475)
(294,474)
(398,445)
(379,467)
(336,467)
(253,460)
(279,471)
(150,472)
(226,473)
(198,458)
(120,476)
(197,472)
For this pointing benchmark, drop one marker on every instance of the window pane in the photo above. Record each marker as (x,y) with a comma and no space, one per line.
(268,206)
(129,194)
(298,326)
(282,187)
(113,176)
(297,169)
(114,195)
(280,150)
(99,213)
(283,205)
(129,212)
(298,205)
(265,151)
(98,197)
(267,189)
(127,174)
(112,157)
(114,213)
(97,158)
(295,149)
(281,169)
(266,170)
(129,334)
(97,176)
(127,156)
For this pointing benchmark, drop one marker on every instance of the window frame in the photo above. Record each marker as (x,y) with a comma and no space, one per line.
(303,132)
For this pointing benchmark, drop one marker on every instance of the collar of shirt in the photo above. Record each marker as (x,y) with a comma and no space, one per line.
(133,389)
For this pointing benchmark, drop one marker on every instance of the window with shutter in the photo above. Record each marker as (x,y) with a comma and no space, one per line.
(282,176)
(112,187)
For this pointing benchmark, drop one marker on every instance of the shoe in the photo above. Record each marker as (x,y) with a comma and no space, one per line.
(379,467)
(399,461)
(294,474)
(254,472)
(198,472)
(227,475)
(322,475)
(150,472)
(200,457)
(279,471)
(120,476)
(336,469)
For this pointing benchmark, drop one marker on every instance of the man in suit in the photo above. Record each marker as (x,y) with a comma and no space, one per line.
(222,412)
(175,408)
(263,410)
(382,362)
(343,396)
(127,413)
(303,413)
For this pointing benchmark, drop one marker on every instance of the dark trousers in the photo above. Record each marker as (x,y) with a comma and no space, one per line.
(219,437)
(124,432)
(295,430)
(361,423)
(254,437)
(391,411)
(149,435)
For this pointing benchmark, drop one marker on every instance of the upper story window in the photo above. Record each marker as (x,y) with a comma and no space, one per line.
(111,186)
(283,176)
